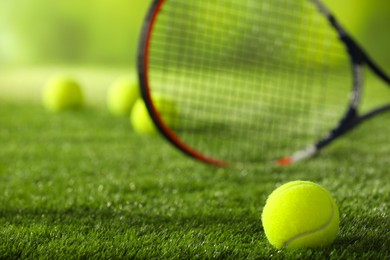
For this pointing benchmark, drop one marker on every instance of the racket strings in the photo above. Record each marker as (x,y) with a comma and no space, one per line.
(285,63)
(207,39)
(251,78)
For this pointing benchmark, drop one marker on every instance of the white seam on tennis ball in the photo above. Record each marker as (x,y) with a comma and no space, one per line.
(288,242)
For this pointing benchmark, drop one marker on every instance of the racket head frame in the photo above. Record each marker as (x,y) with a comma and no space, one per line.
(358,60)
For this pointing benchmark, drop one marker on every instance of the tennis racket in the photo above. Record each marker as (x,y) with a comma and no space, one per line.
(251,81)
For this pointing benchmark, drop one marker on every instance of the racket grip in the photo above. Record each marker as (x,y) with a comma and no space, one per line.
(297,156)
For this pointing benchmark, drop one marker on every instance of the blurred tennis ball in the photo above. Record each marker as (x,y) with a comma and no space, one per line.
(300,214)
(140,118)
(62,93)
(122,95)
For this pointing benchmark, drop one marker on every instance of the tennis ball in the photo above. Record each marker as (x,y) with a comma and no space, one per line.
(300,214)
(140,118)
(121,96)
(62,93)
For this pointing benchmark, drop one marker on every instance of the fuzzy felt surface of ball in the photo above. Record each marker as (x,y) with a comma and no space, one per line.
(167,110)
(122,95)
(300,214)
(62,93)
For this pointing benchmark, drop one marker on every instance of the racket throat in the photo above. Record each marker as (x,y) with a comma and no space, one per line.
(348,122)
(298,156)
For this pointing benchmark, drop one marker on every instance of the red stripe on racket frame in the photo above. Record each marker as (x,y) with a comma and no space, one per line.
(143,60)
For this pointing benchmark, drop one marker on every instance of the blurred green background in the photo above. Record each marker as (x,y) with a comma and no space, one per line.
(88,32)
(89,37)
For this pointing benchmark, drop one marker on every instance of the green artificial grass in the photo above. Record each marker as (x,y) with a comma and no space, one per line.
(82,184)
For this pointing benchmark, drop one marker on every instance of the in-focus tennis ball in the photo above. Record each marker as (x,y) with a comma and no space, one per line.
(300,214)
(62,93)
(140,118)
(122,95)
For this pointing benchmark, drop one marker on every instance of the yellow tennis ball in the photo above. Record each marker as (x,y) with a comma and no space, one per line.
(300,214)
(122,95)
(140,118)
(62,93)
